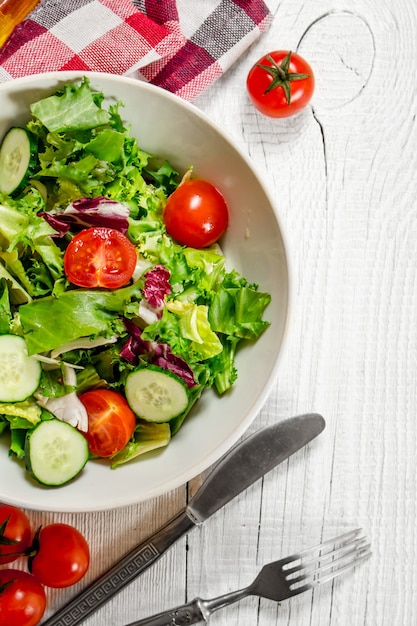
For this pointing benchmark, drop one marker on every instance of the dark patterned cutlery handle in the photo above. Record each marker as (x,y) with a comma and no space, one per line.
(181,616)
(121,574)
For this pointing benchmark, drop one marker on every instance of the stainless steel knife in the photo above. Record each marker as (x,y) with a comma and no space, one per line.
(242,466)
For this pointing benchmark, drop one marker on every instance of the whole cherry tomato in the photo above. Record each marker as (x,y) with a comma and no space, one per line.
(15,533)
(100,257)
(22,598)
(280,84)
(196,214)
(111,421)
(62,556)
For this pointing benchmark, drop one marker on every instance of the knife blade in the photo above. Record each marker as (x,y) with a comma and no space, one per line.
(241,467)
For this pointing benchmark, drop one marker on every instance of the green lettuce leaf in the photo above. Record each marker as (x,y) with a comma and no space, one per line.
(5,311)
(27,249)
(77,313)
(107,145)
(207,266)
(223,366)
(51,384)
(238,311)
(24,414)
(73,108)
(17,442)
(166,177)
(18,295)
(86,151)
(147,436)
(203,378)
(194,325)
(4,424)
(12,225)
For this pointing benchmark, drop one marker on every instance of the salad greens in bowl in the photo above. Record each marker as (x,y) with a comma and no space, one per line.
(144,292)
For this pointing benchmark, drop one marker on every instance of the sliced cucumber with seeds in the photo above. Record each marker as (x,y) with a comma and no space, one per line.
(55,452)
(18,156)
(155,394)
(19,373)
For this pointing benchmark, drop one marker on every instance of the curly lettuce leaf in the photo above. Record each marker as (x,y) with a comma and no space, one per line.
(166,177)
(87,151)
(238,310)
(12,224)
(27,249)
(207,267)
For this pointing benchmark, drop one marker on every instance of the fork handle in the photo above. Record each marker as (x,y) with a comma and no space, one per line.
(198,610)
(190,613)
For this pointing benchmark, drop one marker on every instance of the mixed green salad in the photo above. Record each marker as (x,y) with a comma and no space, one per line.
(156,342)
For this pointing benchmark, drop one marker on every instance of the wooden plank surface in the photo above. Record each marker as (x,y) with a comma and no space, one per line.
(343,174)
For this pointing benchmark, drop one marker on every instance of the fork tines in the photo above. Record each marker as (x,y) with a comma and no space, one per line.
(325,561)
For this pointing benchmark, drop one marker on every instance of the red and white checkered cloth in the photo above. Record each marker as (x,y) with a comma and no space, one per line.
(180,45)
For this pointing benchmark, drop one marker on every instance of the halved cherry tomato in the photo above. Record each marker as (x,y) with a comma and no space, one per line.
(111,421)
(62,556)
(15,533)
(100,257)
(280,84)
(22,598)
(196,214)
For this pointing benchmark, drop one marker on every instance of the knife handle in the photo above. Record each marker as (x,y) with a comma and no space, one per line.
(183,615)
(121,573)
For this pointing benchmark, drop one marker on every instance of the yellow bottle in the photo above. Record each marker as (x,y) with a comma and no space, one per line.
(11,13)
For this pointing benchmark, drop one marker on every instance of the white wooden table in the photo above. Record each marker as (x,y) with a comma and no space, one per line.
(343,174)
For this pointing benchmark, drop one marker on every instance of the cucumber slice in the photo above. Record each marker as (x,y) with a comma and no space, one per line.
(155,394)
(19,373)
(18,155)
(55,452)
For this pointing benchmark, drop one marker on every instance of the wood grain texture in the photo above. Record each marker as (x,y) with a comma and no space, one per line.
(343,174)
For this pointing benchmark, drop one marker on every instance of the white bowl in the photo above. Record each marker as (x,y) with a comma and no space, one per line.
(254,245)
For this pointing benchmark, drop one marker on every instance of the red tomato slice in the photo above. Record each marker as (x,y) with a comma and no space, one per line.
(15,533)
(22,598)
(62,556)
(196,214)
(100,257)
(111,421)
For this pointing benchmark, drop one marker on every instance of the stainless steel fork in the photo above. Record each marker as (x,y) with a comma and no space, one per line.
(279,580)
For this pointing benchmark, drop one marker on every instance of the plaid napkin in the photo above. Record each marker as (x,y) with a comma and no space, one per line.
(180,45)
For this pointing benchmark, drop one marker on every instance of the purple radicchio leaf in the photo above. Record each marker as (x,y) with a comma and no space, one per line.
(164,358)
(159,354)
(56,223)
(135,345)
(87,213)
(156,287)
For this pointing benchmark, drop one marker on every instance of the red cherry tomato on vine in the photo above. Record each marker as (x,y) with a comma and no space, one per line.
(15,533)
(22,598)
(196,214)
(111,421)
(62,556)
(100,257)
(280,84)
